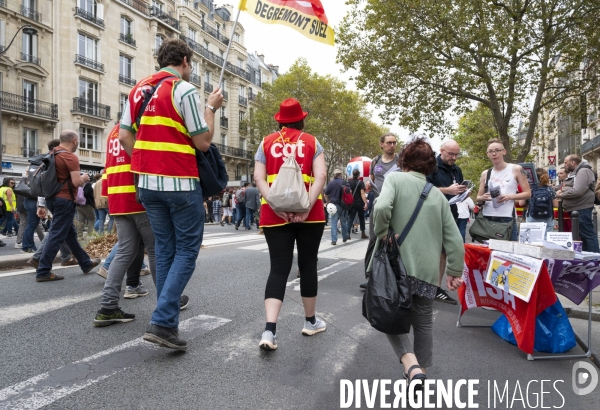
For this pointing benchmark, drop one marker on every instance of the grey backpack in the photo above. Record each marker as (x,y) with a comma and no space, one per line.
(42,177)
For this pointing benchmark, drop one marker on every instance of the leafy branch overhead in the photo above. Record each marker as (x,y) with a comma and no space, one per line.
(424,58)
(337,116)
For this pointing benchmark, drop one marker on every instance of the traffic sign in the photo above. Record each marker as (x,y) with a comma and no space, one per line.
(552,159)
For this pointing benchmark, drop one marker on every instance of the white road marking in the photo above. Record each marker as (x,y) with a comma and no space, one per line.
(232,239)
(331,269)
(355,251)
(46,388)
(16,313)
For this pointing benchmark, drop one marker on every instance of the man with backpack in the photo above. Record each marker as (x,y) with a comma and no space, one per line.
(240,204)
(333,195)
(226,207)
(578,195)
(252,204)
(62,205)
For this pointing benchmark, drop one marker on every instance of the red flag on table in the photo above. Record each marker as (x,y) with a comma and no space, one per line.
(475,292)
(306,16)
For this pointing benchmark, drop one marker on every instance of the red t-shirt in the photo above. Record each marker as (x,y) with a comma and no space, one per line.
(66,162)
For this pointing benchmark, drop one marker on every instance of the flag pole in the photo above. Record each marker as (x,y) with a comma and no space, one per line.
(228,48)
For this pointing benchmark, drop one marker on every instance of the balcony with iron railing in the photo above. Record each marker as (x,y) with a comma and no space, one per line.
(224,122)
(91,17)
(164,17)
(31,14)
(243,101)
(590,145)
(208,88)
(127,39)
(31,59)
(85,106)
(237,71)
(88,62)
(234,152)
(225,95)
(126,80)
(30,152)
(138,5)
(195,79)
(214,33)
(18,103)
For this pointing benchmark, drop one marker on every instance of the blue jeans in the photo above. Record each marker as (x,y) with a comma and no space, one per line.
(462,227)
(9,223)
(241,215)
(586,230)
(32,223)
(178,227)
(111,221)
(343,217)
(100,219)
(63,230)
(249,217)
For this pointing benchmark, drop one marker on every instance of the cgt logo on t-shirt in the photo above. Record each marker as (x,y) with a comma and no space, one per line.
(279,149)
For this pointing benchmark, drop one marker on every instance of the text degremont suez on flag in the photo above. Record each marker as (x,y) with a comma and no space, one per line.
(308,16)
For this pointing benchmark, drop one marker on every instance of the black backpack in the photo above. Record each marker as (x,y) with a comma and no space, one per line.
(42,177)
(540,203)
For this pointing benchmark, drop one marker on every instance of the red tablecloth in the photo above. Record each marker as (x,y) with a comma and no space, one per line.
(475,292)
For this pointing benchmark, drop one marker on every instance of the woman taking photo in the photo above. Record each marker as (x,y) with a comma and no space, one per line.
(433,228)
(282,229)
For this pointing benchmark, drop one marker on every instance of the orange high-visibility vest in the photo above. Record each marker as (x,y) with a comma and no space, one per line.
(117,180)
(277,147)
(163,145)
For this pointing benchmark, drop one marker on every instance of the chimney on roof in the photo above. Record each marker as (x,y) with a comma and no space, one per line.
(261,56)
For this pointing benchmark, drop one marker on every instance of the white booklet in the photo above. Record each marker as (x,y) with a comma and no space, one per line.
(561,238)
(532,232)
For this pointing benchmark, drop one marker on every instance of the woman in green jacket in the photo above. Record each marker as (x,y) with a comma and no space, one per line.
(434,229)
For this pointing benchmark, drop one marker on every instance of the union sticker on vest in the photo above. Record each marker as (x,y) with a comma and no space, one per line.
(288,192)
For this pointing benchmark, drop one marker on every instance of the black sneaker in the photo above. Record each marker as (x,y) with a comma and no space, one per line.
(363,285)
(164,336)
(184,301)
(442,296)
(107,317)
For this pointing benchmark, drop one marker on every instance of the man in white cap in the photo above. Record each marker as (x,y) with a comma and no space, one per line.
(333,195)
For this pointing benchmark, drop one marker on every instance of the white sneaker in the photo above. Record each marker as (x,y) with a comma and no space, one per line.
(18,246)
(268,341)
(102,272)
(309,329)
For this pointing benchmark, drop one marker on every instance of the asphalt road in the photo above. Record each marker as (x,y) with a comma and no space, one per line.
(53,357)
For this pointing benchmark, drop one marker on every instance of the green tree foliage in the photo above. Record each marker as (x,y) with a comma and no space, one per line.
(337,116)
(424,58)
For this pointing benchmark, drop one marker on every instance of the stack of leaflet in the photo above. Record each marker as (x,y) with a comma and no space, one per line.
(587,256)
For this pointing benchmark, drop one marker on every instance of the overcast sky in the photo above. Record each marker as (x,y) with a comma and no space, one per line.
(282,46)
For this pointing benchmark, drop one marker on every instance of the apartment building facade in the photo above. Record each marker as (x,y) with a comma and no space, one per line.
(99,49)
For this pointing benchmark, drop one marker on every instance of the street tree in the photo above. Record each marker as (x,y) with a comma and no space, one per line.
(423,59)
(337,116)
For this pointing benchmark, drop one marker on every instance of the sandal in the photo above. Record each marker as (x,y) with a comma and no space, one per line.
(418,376)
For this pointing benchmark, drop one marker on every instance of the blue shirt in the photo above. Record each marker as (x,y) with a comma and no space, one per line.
(334,190)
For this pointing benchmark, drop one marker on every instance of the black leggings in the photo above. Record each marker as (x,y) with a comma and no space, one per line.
(357,209)
(281,241)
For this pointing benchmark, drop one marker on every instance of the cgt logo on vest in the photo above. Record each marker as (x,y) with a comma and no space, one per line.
(285,149)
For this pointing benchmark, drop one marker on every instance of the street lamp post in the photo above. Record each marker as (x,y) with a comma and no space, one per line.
(27,29)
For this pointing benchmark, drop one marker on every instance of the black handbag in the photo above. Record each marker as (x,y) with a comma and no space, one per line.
(388,296)
(213,174)
(22,189)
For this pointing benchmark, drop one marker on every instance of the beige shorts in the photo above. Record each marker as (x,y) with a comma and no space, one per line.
(227,212)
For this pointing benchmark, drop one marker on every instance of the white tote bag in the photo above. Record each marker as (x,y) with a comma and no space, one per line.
(288,192)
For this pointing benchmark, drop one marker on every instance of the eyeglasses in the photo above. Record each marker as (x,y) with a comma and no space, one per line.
(495,151)
(391,142)
(453,154)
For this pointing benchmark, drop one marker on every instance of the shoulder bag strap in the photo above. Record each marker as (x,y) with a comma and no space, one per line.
(147,97)
(412,219)
(487,180)
(356,187)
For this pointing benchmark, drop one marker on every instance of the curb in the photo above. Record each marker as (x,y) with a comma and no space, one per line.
(594,358)
(18,261)
(582,314)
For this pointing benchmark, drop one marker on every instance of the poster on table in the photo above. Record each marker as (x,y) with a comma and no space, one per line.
(515,274)
(561,238)
(532,232)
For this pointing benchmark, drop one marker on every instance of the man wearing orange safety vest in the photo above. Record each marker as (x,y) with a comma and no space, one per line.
(162,148)
(132,225)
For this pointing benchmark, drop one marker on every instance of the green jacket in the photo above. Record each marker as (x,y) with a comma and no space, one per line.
(434,227)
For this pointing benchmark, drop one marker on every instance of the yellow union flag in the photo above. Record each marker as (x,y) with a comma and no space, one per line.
(307,17)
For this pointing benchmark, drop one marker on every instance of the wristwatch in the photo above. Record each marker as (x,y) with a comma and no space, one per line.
(210,107)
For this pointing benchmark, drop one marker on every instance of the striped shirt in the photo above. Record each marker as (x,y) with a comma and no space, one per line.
(186,101)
